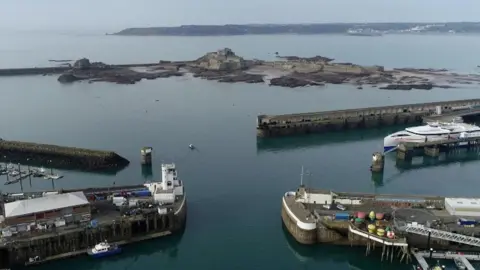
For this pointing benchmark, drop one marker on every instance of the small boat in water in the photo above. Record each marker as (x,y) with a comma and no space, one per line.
(103,249)
(52,177)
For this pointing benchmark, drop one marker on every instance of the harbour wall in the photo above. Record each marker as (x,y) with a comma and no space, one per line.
(62,69)
(320,122)
(59,156)
(59,244)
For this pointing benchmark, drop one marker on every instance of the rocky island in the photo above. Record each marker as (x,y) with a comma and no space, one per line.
(287,71)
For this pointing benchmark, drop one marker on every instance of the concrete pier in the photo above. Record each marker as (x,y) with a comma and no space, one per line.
(59,156)
(377,162)
(81,220)
(58,70)
(319,122)
(146,153)
(406,151)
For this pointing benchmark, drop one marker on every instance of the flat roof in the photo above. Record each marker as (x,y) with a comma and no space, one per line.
(463,202)
(43,204)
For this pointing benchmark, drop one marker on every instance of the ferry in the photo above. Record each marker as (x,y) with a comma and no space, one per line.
(364,33)
(103,249)
(430,132)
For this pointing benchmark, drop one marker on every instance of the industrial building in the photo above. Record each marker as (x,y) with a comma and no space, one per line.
(67,208)
(466,207)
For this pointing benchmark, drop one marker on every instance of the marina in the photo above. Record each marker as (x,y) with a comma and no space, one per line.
(16,174)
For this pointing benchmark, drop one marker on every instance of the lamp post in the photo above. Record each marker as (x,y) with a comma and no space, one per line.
(6,168)
(51,169)
(51,173)
(29,172)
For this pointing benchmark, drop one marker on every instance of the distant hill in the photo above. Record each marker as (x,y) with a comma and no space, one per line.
(301,29)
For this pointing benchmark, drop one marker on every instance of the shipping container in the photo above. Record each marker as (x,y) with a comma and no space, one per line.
(117,200)
(143,193)
(464,222)
(342,216)
(99,197)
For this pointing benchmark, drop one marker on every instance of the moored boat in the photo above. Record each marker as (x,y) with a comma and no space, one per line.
(103,249)
(430,132)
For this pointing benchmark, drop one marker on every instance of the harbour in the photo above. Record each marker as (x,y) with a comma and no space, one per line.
(265,172)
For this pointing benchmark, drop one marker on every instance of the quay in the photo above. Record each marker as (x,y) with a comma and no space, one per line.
(45,155)
(394,223)
(407,150)
(64,224)
(321,122)
(463,257)
(446,149)
(91,193)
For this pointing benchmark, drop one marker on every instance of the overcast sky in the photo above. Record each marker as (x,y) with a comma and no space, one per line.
(113,15)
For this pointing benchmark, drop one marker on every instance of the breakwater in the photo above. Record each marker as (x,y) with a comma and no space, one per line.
(319,122)
(58,70)
(59,156)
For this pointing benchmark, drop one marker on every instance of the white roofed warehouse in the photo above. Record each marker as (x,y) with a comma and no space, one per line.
(466,207)
(68,206)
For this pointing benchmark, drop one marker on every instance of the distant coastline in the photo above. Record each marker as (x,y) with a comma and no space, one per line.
(301,29)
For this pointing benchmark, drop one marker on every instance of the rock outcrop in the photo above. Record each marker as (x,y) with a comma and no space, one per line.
(292,82)
(221,60)
(423,86)
(291,71)
(83,69)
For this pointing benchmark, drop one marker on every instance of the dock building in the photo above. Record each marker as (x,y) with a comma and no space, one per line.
(59,209)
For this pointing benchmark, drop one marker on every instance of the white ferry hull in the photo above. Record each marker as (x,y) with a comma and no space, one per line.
(431,132)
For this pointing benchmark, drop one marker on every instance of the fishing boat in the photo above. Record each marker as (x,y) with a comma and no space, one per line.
(103,249)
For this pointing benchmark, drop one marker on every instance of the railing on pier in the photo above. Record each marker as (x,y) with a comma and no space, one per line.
(399,242)
(443,235)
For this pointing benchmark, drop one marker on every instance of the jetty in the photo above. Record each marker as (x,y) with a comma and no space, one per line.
(57,225)
(372,117)
(465,258)
(394,223)
(58,69)
(46,155)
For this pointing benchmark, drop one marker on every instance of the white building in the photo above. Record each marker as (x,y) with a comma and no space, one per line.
(168,190)
(467,207)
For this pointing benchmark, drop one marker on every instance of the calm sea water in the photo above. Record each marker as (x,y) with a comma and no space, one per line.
(234,181)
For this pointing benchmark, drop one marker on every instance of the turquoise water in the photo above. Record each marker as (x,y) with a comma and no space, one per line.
(234,181)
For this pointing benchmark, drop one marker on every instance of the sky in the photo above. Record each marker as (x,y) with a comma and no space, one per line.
(115,15)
